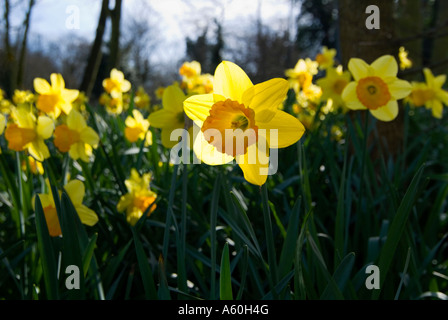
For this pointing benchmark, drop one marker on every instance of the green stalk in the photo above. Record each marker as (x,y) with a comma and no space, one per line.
(182,272)
(269,239)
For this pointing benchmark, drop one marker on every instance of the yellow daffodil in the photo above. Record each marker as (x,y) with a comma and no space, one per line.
(75,190)
(159,92)
(56,98)
(430,94)
(405,62)
(137,128)
(325,58)
(171,116)
(333,84)
(76,137)
(35,166)
(190,69)
(253,109)
(116,84)
(21,97)
(376,87)
(142,99)
(138,198)
(302,75)
(27,132)
(113,105)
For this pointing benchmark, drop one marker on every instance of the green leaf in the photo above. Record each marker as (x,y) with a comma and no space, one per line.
(71,253)
(46,251)
(225,279)
(396,229)
(164,292)
(88,253)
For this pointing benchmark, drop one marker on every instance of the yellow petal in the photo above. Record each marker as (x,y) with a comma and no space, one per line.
(166,137)
(437,109)
(399,89)
(130,122)
(443,96)
(173,99)
(358,68)
(116,75)
(69,95)
(125,86)
(231,81)
(39,150)
(41,86)
(439,80)
(89,136)
(197,107)
(429,77)
(76,121)
(78,151)
(57,82)
(386,113)
(86,215)
(265,98)
(45,127)
(385,66)
(163,119)
(255,164)
(350,97)
(75,190)
(288,130)
(206,152)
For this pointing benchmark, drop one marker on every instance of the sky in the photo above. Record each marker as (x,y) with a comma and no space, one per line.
(176,19)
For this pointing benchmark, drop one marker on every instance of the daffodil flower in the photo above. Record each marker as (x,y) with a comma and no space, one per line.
(56,98)
(116,84)
(430,94)
(75,190)
(302,75)
(375,87)
(76,137)
(333,85)
(253,109)
(325,58)
(171,116)
(29,133)
(137,128)
(138,198)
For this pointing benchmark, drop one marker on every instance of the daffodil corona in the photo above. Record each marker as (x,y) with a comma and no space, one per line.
(375,87)
(238,121)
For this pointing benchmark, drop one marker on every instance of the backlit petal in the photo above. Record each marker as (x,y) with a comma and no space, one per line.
(163,119)
(255,164)
(288,130)
(86,215)
(76,121)
(231,81)
(197,107)
(57,82)
(206,152)
(173,99)
(89,136)
(265,98)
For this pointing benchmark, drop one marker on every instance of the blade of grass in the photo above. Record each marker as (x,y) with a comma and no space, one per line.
(225,278)
(403,275)
(163,292)
(213,219)
(244,267)
(145,268)
(341,276)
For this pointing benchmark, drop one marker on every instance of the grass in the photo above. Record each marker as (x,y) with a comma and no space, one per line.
(308,233)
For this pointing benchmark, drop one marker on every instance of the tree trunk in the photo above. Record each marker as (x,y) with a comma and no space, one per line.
(9,63)
(21,62)
(358,41)
(115,16)
(93,62)
(439,55)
